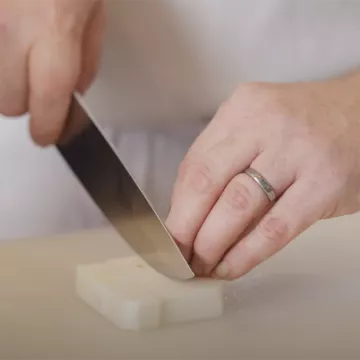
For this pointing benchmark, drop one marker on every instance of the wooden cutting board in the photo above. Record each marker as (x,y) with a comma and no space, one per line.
(303,303)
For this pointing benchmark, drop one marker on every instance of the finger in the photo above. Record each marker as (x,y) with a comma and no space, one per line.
(238,204)
(91,50)
(13,77)
(54,71)
(241,202)
(301,206)
(201,180)
(92,45)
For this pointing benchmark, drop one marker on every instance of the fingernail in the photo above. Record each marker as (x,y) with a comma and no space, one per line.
(222,271)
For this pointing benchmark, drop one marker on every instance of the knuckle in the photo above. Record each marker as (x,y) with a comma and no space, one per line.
(224,113)
(250,88)
(269,96)
(237,197)
(224,106)
(275,230)
(254,90)
(63,17)
(197,176)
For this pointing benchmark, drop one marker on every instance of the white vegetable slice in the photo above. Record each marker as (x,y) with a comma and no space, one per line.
(133,296)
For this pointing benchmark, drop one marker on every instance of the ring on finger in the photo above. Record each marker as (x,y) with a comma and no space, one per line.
(263,183)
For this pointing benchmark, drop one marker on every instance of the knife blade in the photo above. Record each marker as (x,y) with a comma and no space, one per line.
(95,163)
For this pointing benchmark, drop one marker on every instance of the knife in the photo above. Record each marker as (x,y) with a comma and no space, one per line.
(95,163)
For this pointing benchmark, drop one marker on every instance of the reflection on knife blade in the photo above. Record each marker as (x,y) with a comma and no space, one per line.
(95,163)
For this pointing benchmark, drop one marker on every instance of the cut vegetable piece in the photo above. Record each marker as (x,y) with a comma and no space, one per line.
(134,296)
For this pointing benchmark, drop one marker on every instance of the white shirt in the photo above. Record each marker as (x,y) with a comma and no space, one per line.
(167,66)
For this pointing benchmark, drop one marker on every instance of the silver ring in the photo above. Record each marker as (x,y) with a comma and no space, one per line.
(262,182)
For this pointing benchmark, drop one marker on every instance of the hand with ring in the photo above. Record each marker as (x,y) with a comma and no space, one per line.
(275,159)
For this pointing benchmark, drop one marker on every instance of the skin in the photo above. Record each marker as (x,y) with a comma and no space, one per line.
(52,49)
(303,138)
